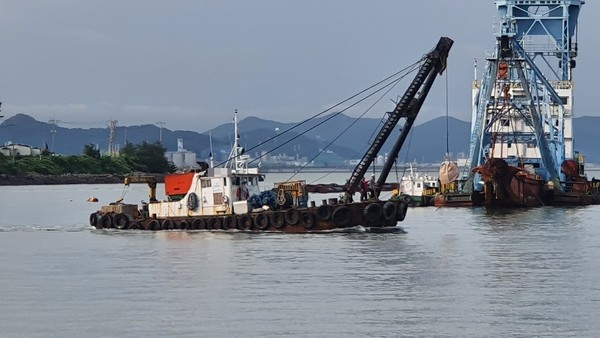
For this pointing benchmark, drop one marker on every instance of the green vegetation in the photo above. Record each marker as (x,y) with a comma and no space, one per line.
(145,157)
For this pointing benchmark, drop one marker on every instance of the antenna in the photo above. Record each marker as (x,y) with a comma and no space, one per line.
(53,123)
(112,126)
(160,125)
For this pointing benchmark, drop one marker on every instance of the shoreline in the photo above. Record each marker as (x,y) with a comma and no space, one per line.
(36,179)
(12,180)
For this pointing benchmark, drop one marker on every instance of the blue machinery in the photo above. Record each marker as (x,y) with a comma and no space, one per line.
(522,108)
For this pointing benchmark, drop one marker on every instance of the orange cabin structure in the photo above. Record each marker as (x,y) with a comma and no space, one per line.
(178,184)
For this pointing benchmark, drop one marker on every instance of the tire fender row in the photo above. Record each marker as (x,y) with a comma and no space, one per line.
(338,215)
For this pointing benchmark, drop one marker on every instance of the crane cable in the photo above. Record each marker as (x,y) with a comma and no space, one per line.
(327,110)
(390,85)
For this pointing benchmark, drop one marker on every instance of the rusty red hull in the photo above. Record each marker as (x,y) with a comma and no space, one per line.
(512,186)
(327,217)
(452,200)
(337,188)
(457,199)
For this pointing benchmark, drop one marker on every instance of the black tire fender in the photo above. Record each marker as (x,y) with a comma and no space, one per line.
(389,211)
(167,224)
(192,201)
(121,221)
(341,216)
(278,219)
(292,216)
(261,221)
(245,222)
(214,224)
(154,225)
(94,219)
(324,212)
(133,225)
(105,221)
(372,213)
(307,220)
(184,225)
(198,224)
(229,223)
(401,211)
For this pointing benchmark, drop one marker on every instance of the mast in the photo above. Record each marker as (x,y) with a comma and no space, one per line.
(408,107)
(237,161)
(210,155)
(234,156)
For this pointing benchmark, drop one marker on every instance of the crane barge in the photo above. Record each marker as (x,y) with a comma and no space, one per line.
(522,145)
(228,198)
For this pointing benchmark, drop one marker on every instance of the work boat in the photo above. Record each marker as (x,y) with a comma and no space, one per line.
(229,198)
(419,188)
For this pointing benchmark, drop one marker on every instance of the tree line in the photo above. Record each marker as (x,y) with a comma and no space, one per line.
(145,157)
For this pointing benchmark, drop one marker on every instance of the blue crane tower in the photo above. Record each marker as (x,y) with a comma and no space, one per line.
(523,105)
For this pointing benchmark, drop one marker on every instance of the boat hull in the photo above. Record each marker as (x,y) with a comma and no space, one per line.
(457,199)
(420,200)
(331,216)
(509,186)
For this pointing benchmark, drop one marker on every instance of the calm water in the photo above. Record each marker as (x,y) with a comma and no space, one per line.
(456,273)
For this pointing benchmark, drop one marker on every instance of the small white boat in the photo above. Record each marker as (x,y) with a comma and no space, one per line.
(420,188)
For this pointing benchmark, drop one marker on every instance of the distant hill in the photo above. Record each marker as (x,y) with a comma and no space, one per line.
(426,144)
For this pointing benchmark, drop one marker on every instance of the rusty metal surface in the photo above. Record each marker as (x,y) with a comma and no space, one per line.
(512,186)
(337,188)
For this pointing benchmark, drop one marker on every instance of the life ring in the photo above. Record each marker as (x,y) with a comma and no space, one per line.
(242,194)
(105,221)
(261,221)
(389,211)
(244,222)
(167,224)
(214,224)
(372,213)
(154,225)
(183,225)
(225,199)
(307,220)
(401,211)
(94,219)
(192,201)
(292,216)
(198,224)
(324,212)
(121,221)
(341,216)
(229,223)
(277,219)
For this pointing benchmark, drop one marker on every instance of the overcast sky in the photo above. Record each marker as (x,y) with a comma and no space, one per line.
(191,63)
